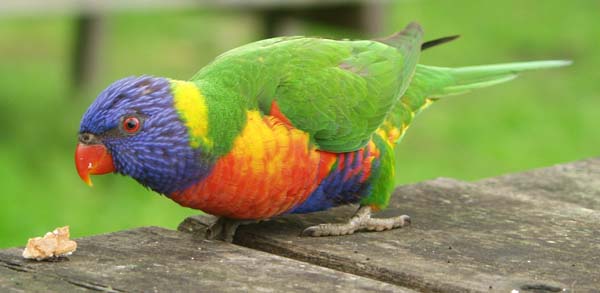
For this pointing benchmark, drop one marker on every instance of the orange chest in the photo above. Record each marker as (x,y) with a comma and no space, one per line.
(270,169)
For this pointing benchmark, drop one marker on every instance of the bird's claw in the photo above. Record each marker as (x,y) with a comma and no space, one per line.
(360,221)
(224,229)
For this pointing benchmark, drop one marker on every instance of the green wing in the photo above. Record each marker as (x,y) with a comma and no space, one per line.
(337,91)
(340,92)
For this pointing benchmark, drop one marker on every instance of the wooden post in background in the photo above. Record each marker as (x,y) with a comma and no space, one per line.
(87,47)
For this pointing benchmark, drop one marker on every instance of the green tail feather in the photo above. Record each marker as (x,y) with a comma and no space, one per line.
(463,79)
(430,83)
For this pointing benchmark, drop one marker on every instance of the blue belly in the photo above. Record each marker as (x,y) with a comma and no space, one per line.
(338,188)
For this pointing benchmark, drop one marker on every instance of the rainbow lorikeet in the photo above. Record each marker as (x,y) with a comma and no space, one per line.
(283,125)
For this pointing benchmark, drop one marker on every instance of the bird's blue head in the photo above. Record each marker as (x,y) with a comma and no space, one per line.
(133,128)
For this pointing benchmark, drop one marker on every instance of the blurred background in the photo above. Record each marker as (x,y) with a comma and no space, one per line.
(56,56)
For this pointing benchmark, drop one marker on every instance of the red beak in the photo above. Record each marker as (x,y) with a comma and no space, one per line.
(92,159)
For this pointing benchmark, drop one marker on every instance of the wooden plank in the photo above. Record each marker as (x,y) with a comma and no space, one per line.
(15,280)
(576,183)
(464,237)
(156,259)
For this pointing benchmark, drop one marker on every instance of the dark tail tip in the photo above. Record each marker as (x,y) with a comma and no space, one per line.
(439,41)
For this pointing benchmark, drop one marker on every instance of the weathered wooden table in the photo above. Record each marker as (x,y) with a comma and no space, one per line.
(537,231)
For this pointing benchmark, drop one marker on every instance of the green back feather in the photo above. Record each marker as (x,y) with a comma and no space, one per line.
(337,91)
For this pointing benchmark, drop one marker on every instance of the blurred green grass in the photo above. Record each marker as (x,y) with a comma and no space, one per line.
(540,119)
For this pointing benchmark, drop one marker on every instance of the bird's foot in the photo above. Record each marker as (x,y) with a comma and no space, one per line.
(224,228)
(360,221)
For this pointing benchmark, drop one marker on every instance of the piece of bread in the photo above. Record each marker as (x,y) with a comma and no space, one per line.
(53,244)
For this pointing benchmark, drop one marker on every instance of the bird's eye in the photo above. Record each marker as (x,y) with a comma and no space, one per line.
(131,124)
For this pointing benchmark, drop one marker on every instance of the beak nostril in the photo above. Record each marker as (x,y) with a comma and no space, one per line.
(86,138)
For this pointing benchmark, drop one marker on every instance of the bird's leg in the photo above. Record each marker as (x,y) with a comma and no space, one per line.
(360,221)
(224,228)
